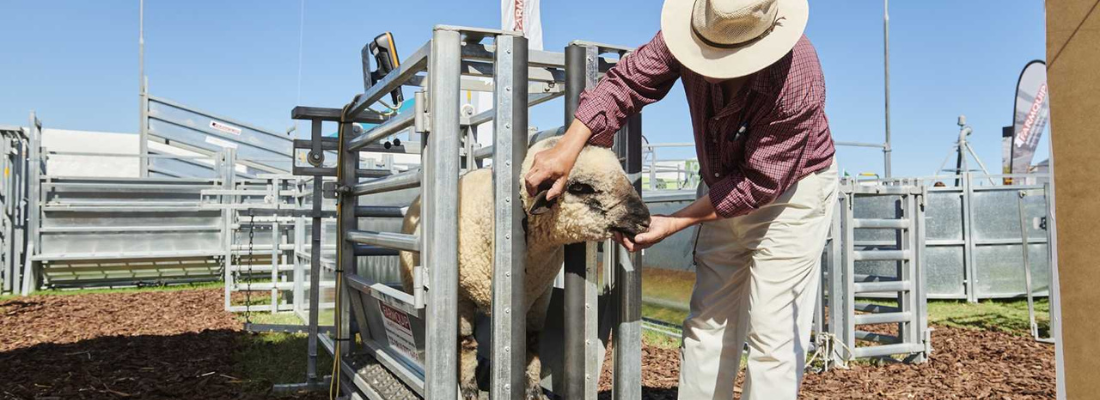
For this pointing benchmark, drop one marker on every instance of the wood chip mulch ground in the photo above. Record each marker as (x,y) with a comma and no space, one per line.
(140,345)
(181,345)
(965,364)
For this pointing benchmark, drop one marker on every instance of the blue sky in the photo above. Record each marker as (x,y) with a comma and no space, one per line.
(76,62)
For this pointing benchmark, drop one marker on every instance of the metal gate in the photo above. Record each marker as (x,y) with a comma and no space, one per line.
(258,150)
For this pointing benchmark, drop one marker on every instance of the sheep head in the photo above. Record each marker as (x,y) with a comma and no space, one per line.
(598,200)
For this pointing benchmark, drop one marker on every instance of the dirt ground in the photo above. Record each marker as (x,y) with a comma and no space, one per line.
(180,345)
(147,345)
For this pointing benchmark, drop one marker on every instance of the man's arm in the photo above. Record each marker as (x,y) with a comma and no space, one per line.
(641,78)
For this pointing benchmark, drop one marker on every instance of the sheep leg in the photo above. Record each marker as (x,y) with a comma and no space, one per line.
(536,319)
(467,349)
(534,368)
(467,364)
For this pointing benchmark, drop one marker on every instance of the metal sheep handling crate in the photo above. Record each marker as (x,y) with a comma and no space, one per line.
(411,339)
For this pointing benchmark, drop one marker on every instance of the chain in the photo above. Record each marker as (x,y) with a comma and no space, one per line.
(248,277)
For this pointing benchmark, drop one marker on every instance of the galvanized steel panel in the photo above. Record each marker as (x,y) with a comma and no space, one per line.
(1000,272)
(944,271)
(195,130)
(943,216)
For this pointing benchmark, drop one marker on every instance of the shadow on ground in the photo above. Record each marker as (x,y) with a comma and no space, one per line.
(202,365)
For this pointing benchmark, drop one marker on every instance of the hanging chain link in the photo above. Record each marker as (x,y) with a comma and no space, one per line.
(248,277)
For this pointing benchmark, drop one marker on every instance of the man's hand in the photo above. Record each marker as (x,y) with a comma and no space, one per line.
(552,166)
(660,227)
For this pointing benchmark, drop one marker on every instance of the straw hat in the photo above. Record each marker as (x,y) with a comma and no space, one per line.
(732,38)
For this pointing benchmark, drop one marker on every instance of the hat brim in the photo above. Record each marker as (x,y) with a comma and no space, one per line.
(726,63)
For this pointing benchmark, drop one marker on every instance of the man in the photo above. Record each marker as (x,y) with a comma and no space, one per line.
(757,98)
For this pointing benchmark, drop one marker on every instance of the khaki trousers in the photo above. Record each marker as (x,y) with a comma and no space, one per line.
(757,280)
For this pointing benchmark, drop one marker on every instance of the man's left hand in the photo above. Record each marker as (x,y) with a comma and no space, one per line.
(660,227)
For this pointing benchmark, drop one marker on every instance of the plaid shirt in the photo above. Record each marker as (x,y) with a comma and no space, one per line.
(772,133)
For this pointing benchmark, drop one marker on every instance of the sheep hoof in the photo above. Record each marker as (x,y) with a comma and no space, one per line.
(469,393)
(535,393)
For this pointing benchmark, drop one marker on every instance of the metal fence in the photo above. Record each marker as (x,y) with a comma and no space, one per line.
(125,231)
(258,150)
(16,144)
(975,248)
(974,245)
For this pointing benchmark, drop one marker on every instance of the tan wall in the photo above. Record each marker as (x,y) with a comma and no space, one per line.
(1073,58)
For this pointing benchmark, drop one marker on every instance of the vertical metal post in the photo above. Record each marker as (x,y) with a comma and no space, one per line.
(1027,265)
(968,238)
(346,166)
(903,238)
(314,261)
(143,96)
(575,271)
(653,169)
(921,280)
(846,278)
(838,294)
(299,244)
(225,172)
(886,81)
(439,252)
(273,192)
(628,279)
(1055,291)
(34,210)
(510,251)
(9,201)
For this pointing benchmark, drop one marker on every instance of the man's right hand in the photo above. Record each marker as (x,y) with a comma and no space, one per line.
(551,167)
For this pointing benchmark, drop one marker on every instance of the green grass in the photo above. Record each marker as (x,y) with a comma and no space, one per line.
(1008,316)
(166,288)
(265,359)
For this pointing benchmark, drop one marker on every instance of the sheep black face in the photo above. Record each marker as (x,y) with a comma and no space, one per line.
(598,201)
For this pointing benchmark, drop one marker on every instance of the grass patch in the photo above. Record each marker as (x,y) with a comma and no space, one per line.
(664,288)
(660,340)
(324,318)
(665,314)
(124,289)
(265,359)
(667,284)
(1008,316)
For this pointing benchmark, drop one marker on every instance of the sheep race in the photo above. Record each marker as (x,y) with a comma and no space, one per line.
(703,222)
(598,201)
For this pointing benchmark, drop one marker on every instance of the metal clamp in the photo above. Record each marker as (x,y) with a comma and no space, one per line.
(421,118)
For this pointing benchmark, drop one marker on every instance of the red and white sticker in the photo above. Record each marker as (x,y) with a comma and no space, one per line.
(399,331)
(225,128)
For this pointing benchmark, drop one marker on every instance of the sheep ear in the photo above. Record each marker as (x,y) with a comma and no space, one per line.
(540,204)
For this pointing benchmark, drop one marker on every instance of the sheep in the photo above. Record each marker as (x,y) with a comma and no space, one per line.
(598,200)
